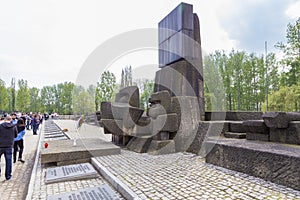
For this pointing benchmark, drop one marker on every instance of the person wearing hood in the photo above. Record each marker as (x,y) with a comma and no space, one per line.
(18,141)
(8,132)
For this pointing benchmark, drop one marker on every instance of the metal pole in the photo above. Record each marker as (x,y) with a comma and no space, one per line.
(267,88)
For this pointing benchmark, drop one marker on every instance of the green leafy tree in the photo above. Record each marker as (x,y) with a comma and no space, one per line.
(214,81)
(3,96)
(146,90)
(105,89)
(48,99)
(23,96)
(66,98)
(126,77)
(35,101)
(12,96)
(291,50)
(83,103)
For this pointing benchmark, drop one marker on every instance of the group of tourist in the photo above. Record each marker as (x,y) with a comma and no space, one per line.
(12,130)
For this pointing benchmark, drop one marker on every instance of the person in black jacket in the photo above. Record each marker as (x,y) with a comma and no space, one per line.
(18,141)
(8,132)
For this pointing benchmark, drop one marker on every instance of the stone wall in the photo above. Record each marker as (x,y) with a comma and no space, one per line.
(278,163)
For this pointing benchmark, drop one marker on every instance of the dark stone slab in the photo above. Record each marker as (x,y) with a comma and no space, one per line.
(157,145)
(139,145)
(102,192)
(235,135)
(167,123)
(278,163)
(276,119)
(70,172)
(258,136)
(180,78)
(156,110)
(129,95)
(171,40)
(237,127)
(188,121)
(205,130)
(106,110)
(64,150)
(233,116)
(290,135)
(293,133)
(112,126)
(255,126)
(163,98)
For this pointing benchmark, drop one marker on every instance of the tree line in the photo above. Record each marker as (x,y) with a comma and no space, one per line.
(68,98)
(246,81)
(233,81)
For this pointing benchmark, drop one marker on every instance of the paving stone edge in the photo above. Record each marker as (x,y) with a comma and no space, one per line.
(34,169)
(114,181)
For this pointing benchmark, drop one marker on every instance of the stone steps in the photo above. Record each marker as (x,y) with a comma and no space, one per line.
(235,135)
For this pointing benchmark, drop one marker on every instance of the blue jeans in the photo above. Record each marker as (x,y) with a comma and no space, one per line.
(8,161)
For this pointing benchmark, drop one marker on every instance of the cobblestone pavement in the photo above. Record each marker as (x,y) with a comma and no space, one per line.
(42,190)
(187,176)
(16,187)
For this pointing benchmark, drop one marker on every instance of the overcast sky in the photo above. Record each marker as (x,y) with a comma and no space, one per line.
(46,42)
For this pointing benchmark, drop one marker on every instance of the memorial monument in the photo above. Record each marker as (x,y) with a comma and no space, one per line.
(169,125)
(262,145)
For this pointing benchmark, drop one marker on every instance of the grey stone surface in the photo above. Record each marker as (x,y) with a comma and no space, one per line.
(167,122)
(180,79)
(70,172)
(112,126)
(163,98)
(64,150)
(293,133)
(290,135)
(235,135)
(188,121)
(159,147)
(156,110)
(205,130)
(233,116)
(187,176)
(258,136)
(139,145)
(255,126)
(106,110)
(274,162)
(276,119)
(129,95)
(237,127)
(102,192)
(172,44)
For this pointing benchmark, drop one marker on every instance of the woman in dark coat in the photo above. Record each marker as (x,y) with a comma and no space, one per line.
(18,141)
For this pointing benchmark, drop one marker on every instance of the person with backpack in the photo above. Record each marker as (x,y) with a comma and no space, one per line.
(8,132)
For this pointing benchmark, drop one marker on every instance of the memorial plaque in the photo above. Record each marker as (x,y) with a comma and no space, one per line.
(70,172)
(52,132)
(55,135)
(55,138)
(103,192)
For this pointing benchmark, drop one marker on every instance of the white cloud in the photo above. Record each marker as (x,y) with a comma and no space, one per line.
(293,10)
(46,42)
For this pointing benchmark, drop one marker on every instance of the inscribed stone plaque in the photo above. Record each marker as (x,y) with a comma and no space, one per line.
(103,192)
(55,138)
(70,172)
(54,132)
